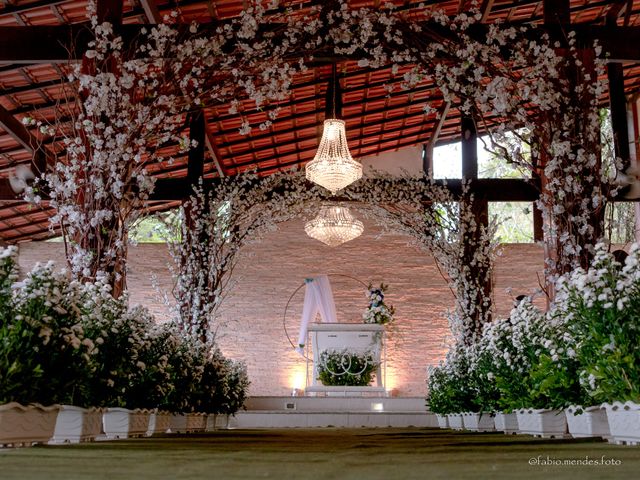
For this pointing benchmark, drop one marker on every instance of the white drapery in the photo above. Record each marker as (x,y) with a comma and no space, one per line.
(318,298)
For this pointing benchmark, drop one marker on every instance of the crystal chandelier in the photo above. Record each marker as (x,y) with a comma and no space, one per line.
(334,225)
(333,167)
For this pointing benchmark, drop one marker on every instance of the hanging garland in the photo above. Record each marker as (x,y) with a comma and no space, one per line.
(219,222)
(127,106)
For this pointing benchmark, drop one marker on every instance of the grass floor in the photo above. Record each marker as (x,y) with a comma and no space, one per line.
(301,454)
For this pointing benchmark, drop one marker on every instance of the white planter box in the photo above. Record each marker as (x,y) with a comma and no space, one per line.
(196,422)
(506,422)
(24,426)
(178,423)
(542,423)
(592,422)
(477,422)
(624,422)
(75,425)
(124,423)
(455,421)
(215,422)
(159,422)
(443,421)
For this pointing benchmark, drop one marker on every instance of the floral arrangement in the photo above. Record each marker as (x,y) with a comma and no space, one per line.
(128,106)
(46,355)
(70,343)
(127,111)
(346,368)
(601,306)
(378,311)
(215,224)
(583,351)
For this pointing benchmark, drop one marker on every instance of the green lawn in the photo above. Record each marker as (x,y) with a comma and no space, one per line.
(300,454)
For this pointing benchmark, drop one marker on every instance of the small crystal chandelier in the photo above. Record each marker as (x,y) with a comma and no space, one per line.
(334,226)
(333,167)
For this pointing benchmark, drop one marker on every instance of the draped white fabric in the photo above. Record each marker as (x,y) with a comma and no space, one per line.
(318,298)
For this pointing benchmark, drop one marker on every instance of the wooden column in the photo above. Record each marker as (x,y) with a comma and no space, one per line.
(196,237)
(106,11)
(479,207)
(469,148)
(557,12)
(618,105)
(197,132)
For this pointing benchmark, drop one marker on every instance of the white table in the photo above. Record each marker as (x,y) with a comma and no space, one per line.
(354,337)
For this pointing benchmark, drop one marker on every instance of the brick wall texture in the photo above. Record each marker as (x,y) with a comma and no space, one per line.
(253,328)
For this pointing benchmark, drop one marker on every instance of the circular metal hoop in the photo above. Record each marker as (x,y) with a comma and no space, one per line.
(286,308)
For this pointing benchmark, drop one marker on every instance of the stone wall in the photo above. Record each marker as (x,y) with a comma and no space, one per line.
(270,272)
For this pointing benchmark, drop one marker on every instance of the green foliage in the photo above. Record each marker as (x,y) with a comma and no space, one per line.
(584,351)
(45,356)
(63,342)
(122,337)
(346,368)
(485,394)
(156,228)
(603,306)
(514,221)
(224,384)
(450,384)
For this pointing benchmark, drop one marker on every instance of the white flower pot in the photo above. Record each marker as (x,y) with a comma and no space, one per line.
(75,425)
(592,422)
(477,422)
(443,421)
(455,421)
(159,422)
(24,426)
(139,422)
(124,423)
(217,421)
(506,422)
(624,422)
(196,422)
(542,423)
(178,423)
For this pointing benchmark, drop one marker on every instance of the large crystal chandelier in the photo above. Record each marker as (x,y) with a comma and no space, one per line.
(334,226)
(333,167)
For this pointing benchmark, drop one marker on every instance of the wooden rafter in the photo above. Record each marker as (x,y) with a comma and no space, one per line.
(48,44)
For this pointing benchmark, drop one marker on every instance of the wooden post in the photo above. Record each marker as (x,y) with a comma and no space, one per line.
(618,105)
(480,208)
(197,133)
(195,172)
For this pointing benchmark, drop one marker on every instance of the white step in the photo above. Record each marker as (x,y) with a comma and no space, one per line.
(337,404)
(301,419)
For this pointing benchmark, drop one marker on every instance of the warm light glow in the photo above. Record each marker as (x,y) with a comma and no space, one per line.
(377,407)
(334,226)
(333,132)
(333,167)
(297,378)
(390,381)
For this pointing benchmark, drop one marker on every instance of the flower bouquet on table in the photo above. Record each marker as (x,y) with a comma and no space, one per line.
(378,311)
(346,368)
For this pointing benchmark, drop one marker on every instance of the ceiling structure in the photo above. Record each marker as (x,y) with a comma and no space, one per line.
(376,120)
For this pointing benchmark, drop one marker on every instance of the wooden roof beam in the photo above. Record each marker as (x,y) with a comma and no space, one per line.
(49,44)
(27,141)
(430,145)
(151,11)
(557,12)
(485,9)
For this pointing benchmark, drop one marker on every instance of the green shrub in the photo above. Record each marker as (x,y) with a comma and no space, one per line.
(346,368)
(45,356)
